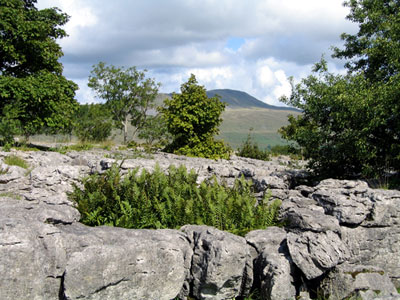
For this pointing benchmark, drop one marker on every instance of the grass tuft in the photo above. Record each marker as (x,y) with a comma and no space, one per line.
(14,160)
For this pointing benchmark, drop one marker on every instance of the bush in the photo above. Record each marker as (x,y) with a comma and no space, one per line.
(93,123)
(289,150)
(157,200)
(193,119)
(250,149)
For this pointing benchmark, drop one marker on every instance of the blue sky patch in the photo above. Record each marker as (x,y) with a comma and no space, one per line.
(234,43)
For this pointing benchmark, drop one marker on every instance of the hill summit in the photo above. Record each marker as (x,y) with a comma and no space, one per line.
(239,99)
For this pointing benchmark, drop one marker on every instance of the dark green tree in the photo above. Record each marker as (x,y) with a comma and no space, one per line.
(375,48)
(193,119)
(30,74)
(351,123)
(128,94)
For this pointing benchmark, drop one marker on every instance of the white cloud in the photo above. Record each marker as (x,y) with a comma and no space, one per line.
(250,45)
(265,76)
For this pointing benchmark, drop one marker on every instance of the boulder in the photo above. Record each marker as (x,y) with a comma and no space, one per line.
(273,267)
(149,265)
(221,265)
(304,214)
(315,253)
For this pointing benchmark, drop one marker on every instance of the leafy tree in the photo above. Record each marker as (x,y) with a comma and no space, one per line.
(351,123)
(9,125)
(375,48)
(155,131)
(127,92)
(193,119)
(93,123)
(30,73)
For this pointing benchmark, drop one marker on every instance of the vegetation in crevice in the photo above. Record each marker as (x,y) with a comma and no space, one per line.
(159,200)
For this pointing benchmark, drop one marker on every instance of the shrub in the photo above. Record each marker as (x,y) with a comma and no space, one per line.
(13,160)
(159,200)
(289,150)
(250,149)
(93,123)
(193,119)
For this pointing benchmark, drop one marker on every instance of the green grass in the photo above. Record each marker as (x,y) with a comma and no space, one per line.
(75,147)
(11,195)
(13,160)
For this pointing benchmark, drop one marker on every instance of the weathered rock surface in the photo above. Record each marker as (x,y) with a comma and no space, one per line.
(316,253)
(274,268)
(365,282)
(334,230)
(221,263)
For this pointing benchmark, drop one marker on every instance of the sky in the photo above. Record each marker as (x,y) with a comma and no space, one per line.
(247,45)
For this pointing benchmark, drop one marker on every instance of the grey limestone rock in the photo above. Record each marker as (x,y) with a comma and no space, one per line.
(221,265)
(366,282)
(346,200)
(273,268)
(304,213)
(139,269)
(315,253)
(45,253)
(11,173)
(377,246)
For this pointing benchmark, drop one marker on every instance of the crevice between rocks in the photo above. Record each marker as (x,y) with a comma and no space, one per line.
(61,291)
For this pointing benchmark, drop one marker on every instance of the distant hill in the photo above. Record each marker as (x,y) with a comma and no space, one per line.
(239,99)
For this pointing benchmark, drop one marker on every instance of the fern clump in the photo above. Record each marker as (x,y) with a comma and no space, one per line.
(159,200)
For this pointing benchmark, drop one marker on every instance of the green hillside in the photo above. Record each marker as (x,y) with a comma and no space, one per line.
(265,123)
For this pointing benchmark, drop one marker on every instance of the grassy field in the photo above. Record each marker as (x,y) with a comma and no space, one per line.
(265,123)
(234,128)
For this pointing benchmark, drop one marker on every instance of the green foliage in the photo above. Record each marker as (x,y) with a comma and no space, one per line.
(375,48)
(9,125)
(127,92)
(157,200)
(155,131)
(350,124)
(31,80)
(93,123)
(193,119)
(250,149)
(13,160)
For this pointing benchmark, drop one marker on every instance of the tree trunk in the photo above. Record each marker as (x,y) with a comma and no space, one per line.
(126,131)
